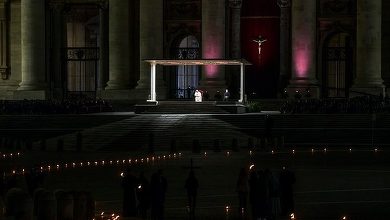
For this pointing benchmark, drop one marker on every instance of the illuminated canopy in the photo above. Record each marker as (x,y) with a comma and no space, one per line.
(203,62)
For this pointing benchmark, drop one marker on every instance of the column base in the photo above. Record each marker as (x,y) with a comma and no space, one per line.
(114,85)
(143,90)
(363,90)
(212,86)
(138,94)
(30,94)
(116,94)
(303,89)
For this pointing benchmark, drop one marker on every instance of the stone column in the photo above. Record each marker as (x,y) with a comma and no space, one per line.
(304,22)
(235,19)
(33,49)
(103,46)
(151,47)
(119,50)
(368,54)
(58,35)
(3,40)
(285,43)
(213,45)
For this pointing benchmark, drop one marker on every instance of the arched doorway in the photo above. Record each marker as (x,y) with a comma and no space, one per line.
(337,65)
(187,77)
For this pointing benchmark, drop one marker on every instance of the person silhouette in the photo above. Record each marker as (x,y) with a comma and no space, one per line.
(226,95)
(286,181)
(191,186)
(242,189)
(129,184)
(143,195)
(158,187)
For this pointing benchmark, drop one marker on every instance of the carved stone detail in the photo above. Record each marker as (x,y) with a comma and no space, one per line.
(4,73)
(284,3)
(235,3)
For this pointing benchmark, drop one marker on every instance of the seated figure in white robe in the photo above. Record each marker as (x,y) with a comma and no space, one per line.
(198,96)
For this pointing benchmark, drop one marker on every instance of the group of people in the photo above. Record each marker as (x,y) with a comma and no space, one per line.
(199,95)
(140,195)
(270,195)
(66,106)
(361,105)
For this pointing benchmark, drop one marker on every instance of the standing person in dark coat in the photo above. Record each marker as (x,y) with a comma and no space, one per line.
(129,184)
(143,195)
(191,186)
(253,193)
(262,196)
(287,180)
(158,189)
(242,189)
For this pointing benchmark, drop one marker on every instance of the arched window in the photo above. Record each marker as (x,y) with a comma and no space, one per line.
(187,77)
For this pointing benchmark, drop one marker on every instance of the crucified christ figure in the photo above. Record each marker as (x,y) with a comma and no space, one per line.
(260,40)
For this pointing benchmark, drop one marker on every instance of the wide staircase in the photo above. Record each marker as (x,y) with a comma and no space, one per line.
(133,132)
(185,107)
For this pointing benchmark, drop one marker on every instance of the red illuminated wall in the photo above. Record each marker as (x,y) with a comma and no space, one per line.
(261,17)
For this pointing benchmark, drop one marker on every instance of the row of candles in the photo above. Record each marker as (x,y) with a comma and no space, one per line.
(96,163)
(292,216)
(58,166)
(107,216)
(9,155)
(312,150)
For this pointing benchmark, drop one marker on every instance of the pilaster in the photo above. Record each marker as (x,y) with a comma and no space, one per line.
(369,54)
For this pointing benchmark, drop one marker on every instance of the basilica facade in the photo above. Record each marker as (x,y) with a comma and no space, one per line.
(54,49)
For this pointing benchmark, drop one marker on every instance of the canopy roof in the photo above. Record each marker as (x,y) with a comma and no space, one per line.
(198,62)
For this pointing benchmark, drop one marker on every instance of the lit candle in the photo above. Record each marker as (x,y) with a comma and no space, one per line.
(292,216)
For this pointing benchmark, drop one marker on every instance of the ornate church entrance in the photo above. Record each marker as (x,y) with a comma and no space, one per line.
(187,77)
(82,50)
(337,65)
